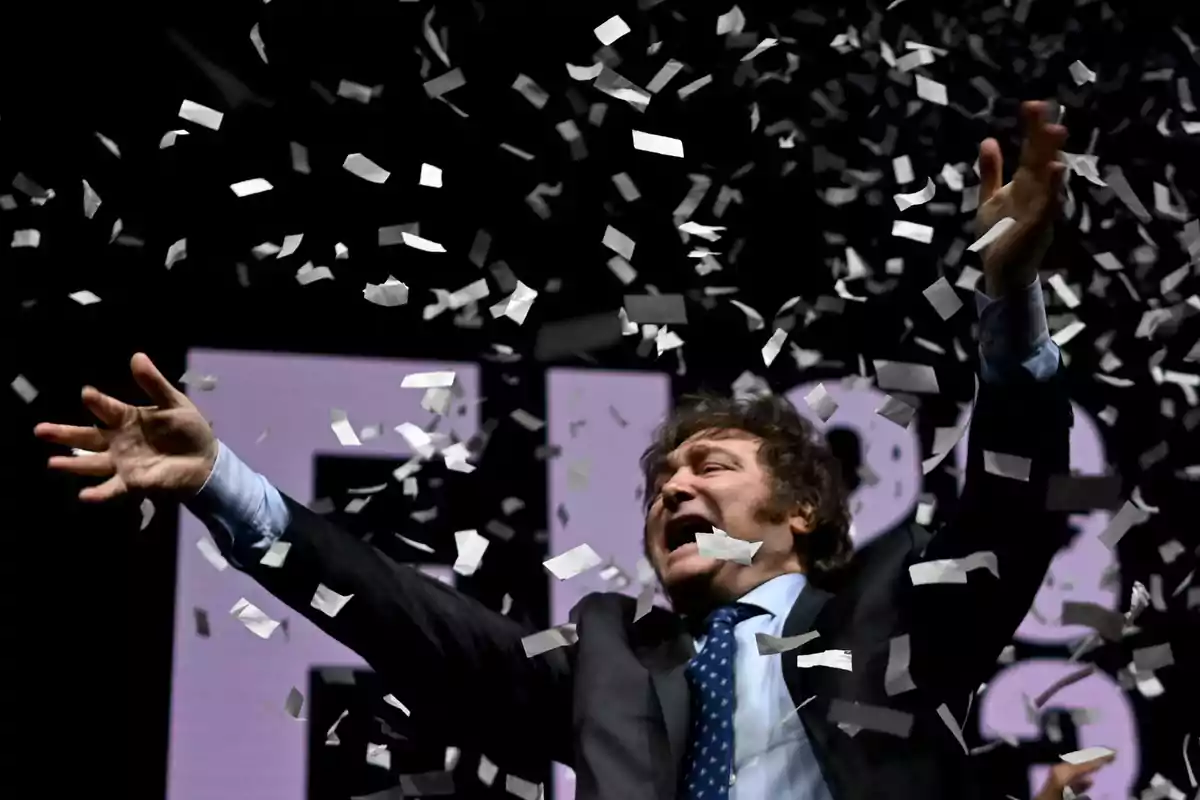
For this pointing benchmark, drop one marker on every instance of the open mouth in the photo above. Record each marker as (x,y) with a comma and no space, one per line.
(683,529)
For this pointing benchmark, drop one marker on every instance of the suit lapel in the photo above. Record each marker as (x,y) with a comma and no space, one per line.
(664,646)
(801,620)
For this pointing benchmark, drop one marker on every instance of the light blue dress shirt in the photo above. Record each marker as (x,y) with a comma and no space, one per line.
(772,754)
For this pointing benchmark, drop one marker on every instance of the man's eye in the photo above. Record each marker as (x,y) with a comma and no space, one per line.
(711,466)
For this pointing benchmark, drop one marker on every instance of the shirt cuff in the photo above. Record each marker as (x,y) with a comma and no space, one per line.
(243,504)
(1013,331)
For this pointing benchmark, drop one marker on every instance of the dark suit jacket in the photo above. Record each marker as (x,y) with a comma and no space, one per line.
(615,706)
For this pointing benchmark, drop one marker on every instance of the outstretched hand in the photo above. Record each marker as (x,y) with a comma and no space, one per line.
(166,447)
(1031,199)
(1075,776)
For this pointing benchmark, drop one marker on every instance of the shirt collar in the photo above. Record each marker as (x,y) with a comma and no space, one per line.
(778,595)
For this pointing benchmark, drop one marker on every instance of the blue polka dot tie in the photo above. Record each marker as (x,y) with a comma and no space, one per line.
(709,761)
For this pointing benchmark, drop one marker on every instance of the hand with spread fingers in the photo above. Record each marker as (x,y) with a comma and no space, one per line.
(1030,199)
(168,447)
(1071,776)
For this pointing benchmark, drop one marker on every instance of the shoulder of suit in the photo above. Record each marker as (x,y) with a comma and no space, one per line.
(601,602)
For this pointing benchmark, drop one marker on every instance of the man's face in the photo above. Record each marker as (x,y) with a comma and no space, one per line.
(715,479)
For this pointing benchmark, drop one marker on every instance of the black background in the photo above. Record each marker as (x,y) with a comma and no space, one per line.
(87,628)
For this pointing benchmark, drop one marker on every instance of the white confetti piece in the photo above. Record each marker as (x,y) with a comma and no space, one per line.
(428,380)
(257,41)
(294,703)
(862,716)
(1148,659)
(519,787)
(1006,465)
(331,737)
(391,700)
(897,679)
(732,21)
(769,645)
(419,243)
(84,297)
(201,115)
(931,90)
(29,237)
(211,554)
(1064,292)
(254,618)
(585,73)
(1068,333)
(1081,74)
(653,143)
(1087,754)
(168,138)
(834,659)
(896,411)
(342,429)
(820,401)
(610,30)
(470,547)
(993,233)
(664,75)
(722,546)
(431,176)
(252,186)
(24,389)
(328,601)
(365,168)
(550,639)
(531,91)
(574,562)
(952,570)
(276,554)
(618,242)
(764,45)
(906,201)
(951,723)
(91,200)
(666,340)
(902,169)
(147,509)
(912,230)
(1129,516)
(774,345)
(905,377)
(942,297)
(309,274)
(390,293)
(176,253)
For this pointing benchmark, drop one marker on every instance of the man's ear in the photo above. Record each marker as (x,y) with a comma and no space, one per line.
(801,520)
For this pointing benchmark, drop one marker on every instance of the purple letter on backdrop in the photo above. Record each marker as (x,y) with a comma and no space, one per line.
(230,738)
(1078,571)
(596,477)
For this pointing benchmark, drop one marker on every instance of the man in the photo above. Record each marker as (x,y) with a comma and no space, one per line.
(682,705)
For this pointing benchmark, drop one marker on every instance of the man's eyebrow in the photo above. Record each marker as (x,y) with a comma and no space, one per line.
(671,462)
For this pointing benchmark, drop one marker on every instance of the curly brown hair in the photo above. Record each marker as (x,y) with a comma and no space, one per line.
(805,472)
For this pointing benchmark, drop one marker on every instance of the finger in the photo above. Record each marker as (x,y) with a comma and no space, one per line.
(89,438)
(154,384)
(1043,139)
(113,487)
(1080,784)
(96,465)
(991,169)
(108,410)
(1077,771)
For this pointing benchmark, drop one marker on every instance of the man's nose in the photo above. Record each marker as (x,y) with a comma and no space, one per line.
(676,492)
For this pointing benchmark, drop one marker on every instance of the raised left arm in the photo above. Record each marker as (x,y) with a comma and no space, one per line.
(1022,410)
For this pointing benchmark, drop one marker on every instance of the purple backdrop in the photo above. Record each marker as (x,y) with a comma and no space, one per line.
(230,738)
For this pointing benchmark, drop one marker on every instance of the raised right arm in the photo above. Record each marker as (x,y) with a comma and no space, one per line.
(458,666)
